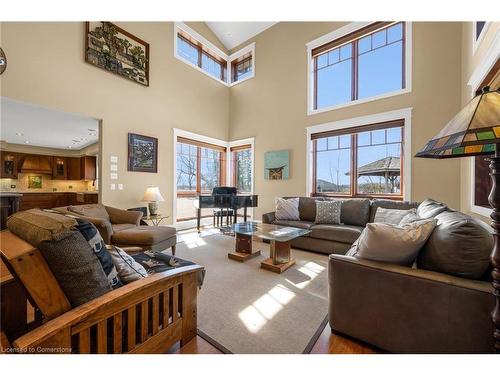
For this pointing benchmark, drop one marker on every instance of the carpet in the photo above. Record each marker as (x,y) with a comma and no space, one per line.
(245,309)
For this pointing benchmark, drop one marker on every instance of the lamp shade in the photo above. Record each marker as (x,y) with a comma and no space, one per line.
(473,131)
(152,194)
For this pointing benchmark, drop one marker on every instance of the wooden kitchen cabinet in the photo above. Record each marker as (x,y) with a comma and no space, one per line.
(9,164)
(74,168)
(55,199)
(88,168)
(59,168)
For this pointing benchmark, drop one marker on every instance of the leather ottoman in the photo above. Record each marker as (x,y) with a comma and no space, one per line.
(157,238)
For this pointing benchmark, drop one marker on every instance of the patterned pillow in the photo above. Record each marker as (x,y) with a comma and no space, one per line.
(328,212)
(287,209)
(93,237)
(391,216)
(128,269)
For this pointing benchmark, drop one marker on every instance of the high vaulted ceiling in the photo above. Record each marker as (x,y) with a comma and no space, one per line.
(232,34)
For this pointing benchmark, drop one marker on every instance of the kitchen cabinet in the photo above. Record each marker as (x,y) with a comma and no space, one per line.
(30,163)
(74,168)
(55,199)
(9,206)
(9,164)
(88,168)
(59,168)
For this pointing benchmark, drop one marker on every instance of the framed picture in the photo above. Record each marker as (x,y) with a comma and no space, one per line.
(142,153)
(111,48)
(277,165)
(34,182)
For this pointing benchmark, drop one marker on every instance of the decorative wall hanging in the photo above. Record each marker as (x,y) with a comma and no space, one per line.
(109,47)
(3,61)
(34,182)
(142,153)
(276,165)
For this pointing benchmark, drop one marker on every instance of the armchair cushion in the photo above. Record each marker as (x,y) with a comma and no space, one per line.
(143,235)
(119,216)
(92,210)
(120,227)
(93,237)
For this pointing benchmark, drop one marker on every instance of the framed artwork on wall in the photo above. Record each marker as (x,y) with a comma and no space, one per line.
(34,182)
(277,165)
(111,48)
(142,153)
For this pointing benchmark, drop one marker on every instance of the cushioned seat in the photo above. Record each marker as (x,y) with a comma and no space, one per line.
(120,227)
(294,223)
(340,232)
(148,237)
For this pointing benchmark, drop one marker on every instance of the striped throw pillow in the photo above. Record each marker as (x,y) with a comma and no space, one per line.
(287,209)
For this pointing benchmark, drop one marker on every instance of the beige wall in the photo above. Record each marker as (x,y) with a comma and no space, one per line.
(470,62)
(46,67)
(272,106)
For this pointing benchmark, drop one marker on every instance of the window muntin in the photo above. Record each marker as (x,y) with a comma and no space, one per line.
(242,68)
(375,152)
(195,53)
(242,168)
(367,63)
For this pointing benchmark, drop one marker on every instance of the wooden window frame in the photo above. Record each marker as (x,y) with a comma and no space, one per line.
(204,51)
(353,132)
(222,163)
(233,151)
(236,63)
(353,39)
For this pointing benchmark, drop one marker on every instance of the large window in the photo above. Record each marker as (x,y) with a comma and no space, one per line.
(242,168)
(195,53)
(200,167)
(364,161)
(366,63)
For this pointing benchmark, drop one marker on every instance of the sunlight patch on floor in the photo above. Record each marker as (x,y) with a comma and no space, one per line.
(265,308)
(310,269)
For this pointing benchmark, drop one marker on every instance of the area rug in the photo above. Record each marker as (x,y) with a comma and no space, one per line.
(245,309)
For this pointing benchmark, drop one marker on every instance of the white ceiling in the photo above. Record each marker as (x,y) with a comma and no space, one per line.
(232,34)
(27,124)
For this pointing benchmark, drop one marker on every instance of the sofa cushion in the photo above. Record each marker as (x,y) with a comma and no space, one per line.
(307,208)
(460,245)
(391,243)
(35,226)
(355,211)
(128,269)
(143,235)
(120,227)
(76,268)
(430,208)
(391,216)
(389,204)
(338,232)
(328,212)
(91,210)
(287,209)
(294,223)
(93,237)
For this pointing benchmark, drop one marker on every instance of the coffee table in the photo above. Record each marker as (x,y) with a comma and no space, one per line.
(280,237)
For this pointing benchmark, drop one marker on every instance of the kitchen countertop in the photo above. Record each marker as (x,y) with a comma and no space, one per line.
(10,194)
(20,192)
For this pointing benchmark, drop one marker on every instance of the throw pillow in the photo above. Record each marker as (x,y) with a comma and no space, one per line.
(410,218)
(76,268)
(391,243)
(328,212)
(430,208)
(93,237)
(128,269)
(391,216)
(287,209)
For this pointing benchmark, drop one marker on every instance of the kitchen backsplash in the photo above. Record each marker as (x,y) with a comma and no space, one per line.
(48,184)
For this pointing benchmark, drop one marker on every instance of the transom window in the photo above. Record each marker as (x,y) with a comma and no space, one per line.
(241,68)
(367,63)
(364,161)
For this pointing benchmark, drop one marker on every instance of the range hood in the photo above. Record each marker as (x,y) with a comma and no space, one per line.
(36,164)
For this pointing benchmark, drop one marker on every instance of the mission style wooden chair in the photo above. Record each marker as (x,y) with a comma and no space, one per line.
(145,316)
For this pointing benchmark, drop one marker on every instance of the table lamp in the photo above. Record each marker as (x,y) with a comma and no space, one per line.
(475,131)
(152,195)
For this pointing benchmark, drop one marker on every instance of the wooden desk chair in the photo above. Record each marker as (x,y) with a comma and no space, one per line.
(145,316)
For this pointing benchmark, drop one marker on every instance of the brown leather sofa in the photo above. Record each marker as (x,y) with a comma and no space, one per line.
(335,238)
(122,227)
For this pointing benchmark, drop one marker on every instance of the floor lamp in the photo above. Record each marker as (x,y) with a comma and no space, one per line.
(475,131)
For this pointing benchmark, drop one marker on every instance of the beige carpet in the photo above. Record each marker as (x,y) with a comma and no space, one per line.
(245,309)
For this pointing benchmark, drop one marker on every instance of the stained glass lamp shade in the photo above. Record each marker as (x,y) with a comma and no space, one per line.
(473,131)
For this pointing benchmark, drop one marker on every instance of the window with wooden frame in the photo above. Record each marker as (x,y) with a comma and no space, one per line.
(242,167)
(365,161)
(366,63)
(200,167)
(195,53)
(242,67)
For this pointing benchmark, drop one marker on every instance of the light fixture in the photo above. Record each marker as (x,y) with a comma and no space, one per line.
(19,134)
(26,141)
(153,196)
(475,131)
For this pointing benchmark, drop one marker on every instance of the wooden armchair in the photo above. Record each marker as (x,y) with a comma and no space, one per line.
(145,316)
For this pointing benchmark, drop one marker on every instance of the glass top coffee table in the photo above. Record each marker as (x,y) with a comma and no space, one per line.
(280,258)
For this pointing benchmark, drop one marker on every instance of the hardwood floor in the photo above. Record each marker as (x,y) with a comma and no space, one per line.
(328,343)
